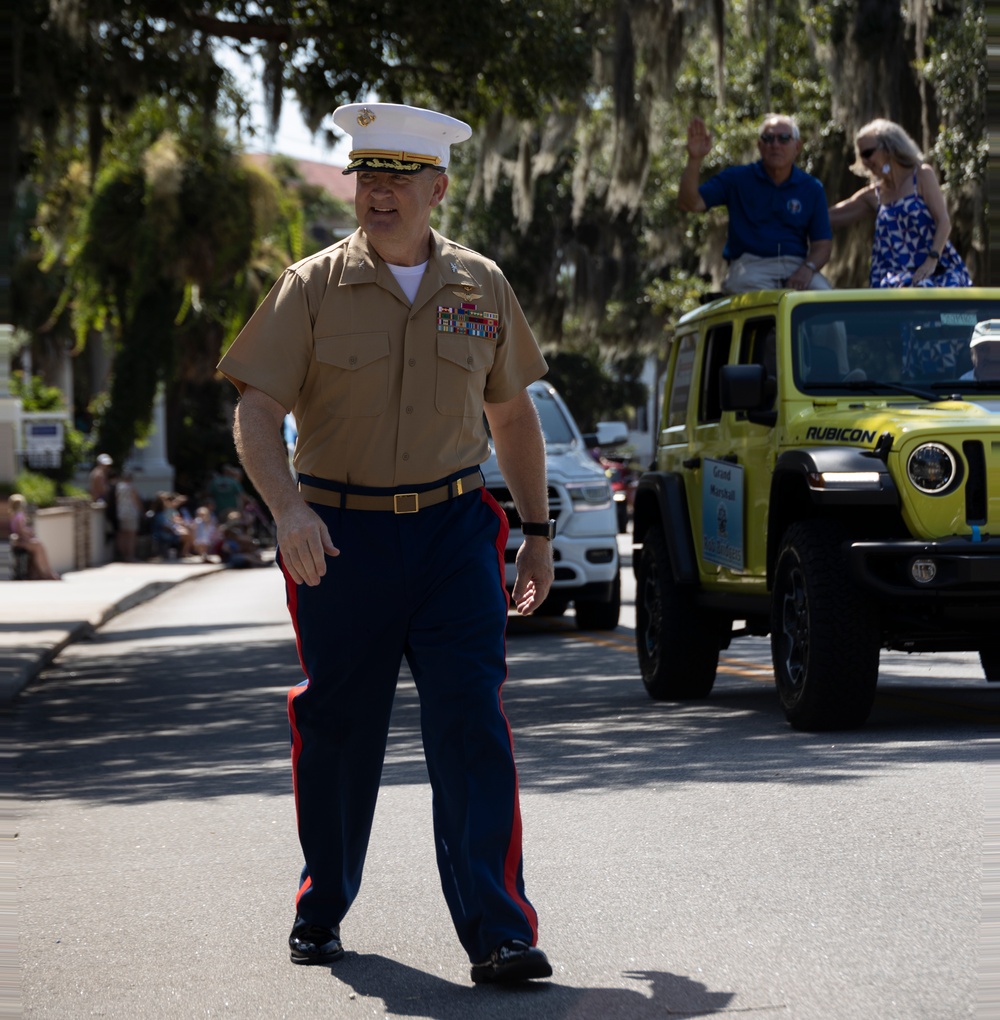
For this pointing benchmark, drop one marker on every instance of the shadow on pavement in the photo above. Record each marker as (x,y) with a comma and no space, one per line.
(209,720)
(410,992)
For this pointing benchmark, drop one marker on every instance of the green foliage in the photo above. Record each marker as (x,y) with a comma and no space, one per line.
(593,392)
(145,230)
(34,394)
(957,70)
(39,490)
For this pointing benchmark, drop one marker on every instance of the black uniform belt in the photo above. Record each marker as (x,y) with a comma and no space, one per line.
(397,502)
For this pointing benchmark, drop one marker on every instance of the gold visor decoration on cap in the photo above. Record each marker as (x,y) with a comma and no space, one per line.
(412,157)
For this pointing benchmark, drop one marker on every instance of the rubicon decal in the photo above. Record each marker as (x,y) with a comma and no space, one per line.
(845,435)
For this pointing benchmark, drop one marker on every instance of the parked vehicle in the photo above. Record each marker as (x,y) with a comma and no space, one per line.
(585,546)
(623,481)
(826,472)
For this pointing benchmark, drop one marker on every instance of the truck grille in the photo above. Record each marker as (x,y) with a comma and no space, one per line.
(503,497)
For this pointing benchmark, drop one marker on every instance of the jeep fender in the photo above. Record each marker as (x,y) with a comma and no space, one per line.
(798,490)
(660,502)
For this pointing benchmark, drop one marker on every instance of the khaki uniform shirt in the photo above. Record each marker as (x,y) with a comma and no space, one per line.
(387,394)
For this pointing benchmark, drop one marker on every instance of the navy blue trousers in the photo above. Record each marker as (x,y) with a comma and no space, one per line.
(429,587)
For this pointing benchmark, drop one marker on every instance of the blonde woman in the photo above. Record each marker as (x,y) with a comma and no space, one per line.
(23,536)
(912,226)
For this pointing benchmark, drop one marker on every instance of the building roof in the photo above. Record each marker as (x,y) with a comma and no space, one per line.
(323,175)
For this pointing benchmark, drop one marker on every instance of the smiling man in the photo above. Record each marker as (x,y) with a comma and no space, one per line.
(388,348)
(779,228)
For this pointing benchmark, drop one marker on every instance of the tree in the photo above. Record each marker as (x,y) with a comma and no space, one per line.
(579,106)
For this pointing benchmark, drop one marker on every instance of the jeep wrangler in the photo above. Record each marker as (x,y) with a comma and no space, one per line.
(827,472)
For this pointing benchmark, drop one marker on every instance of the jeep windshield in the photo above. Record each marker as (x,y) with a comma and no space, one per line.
(917,346)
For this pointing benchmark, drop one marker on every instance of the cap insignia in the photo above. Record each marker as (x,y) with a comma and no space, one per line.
(365,116)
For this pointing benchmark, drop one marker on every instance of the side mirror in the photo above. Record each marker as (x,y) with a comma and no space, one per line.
(742,387)
(748,388)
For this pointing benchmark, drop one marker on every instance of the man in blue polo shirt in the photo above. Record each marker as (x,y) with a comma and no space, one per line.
(779,227)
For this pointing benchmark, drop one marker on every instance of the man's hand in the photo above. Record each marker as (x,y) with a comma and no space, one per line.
(699,140)
(800,279)
(535,572)
(304,543)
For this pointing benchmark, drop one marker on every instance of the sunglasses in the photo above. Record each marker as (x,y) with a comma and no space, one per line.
(867,153)
(784,138)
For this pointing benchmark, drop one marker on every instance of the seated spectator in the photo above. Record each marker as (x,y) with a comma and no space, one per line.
(22,536)
(779,231)
(170,533)
(238,547)
(206,533)
(984,348)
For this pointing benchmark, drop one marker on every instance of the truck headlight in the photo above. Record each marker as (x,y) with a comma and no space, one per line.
(589,495)
(932,467)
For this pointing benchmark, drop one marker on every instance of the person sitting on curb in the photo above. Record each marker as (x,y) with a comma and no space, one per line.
(779,227)
(22,536)
(170,533)
(238,548)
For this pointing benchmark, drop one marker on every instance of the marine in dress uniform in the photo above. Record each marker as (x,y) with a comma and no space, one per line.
(388,347)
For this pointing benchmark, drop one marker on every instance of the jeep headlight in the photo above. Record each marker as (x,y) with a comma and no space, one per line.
(932,467)
(589,495)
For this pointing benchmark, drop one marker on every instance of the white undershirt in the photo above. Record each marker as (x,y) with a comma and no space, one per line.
(408,277)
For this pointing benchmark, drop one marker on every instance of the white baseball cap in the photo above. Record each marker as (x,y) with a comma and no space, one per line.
(985,331)
(397,139)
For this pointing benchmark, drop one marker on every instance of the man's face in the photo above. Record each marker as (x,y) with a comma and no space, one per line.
(394,210)
(778,155)
(986,360)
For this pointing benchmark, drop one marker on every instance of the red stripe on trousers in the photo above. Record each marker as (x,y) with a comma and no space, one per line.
(512,862)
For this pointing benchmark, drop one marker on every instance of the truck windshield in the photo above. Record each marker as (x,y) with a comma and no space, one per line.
(555,427)
(916,345)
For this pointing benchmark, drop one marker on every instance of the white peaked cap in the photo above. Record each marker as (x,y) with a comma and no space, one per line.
(984,331)
(398,139)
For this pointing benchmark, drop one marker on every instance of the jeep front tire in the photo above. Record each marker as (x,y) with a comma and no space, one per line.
(677,641)
(824,636)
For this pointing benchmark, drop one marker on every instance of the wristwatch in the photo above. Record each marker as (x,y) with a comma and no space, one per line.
(811,265)
(546,529)
(932,254)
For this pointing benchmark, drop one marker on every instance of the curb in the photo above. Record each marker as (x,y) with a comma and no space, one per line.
(19,668)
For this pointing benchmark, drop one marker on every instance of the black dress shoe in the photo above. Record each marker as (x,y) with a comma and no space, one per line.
(312,943)
(514,960)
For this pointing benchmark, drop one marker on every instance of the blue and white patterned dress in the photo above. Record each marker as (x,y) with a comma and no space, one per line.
(904,233)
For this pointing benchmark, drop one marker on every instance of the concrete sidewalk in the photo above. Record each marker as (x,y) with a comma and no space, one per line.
(39,618)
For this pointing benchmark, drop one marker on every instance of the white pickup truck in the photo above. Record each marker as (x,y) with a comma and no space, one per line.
(585,547)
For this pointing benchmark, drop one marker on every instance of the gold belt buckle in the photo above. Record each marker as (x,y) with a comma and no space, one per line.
(405,503)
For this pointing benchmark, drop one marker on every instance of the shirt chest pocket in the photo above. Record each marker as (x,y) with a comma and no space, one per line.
(463,363)
(354,373)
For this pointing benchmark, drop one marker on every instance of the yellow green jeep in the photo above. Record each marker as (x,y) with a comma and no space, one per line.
(827,471)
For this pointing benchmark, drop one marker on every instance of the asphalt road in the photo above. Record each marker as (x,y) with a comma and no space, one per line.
(686,861)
